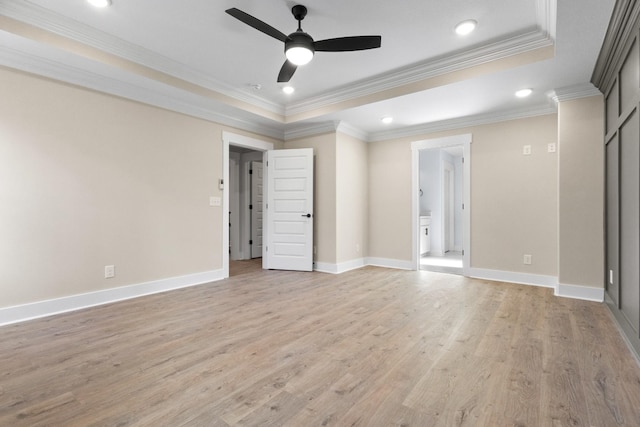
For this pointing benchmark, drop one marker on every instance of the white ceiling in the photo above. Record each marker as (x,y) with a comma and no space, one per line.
(190,56)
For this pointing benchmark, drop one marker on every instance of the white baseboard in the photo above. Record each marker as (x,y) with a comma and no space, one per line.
(513,277)
(342,267)
(21,313)
(580,292)
(390,263)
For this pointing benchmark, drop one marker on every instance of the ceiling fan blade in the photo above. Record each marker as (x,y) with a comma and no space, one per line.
(286,72)
(347,44)
(256,23)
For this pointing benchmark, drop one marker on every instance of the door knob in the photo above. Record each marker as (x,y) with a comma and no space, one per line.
(307,215)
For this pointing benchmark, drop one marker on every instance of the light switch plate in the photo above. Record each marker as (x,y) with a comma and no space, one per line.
(215,201)
(526,150)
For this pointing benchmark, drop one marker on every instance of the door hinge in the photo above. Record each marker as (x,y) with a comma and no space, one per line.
(463,206)
(250,206)
(250,171)
(266,249)
(463,160)
(251,242)
(463,252)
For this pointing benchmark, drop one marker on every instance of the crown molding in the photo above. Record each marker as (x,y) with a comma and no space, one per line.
(462,122)
(577,91)
(353,131)
(425,70)
(42,18)
(309,129)
(313,129)
(547,12)
(622,28)
(37,16)
(172,100)
(304,130)
(544,36)
(102,83)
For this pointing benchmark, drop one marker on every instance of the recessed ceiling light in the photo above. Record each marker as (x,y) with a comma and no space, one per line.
(523,93)
(100,3)
(465,27)
(288,90)
(387,120)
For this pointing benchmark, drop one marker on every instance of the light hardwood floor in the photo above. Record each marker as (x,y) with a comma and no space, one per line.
(371,347)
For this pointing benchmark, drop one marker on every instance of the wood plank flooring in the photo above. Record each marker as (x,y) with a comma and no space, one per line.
(371,347)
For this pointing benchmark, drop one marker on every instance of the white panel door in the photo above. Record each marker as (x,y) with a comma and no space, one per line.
(289,215)
(257,203)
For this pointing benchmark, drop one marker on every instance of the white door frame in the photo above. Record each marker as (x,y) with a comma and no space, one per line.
(465,141)
(447,203)
(245,215)
(233,183)
(256,214)
(228,139)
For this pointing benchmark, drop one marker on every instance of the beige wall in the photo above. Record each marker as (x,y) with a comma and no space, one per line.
(324,209)
(390,200)
(90,180)
(352,198)
(513,197)
(581,206)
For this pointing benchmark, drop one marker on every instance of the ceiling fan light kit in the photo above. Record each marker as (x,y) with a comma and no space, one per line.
(299,47)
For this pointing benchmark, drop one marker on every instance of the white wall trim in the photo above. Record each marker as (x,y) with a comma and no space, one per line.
(579,292)
(21,313)
(343,267)
(514,277)
(390,263)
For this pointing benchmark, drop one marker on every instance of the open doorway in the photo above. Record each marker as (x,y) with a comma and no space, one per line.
(241,196)
(440,180)
(245,203)
(441,204)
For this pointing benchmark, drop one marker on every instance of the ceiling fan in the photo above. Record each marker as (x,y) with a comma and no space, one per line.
(299,46)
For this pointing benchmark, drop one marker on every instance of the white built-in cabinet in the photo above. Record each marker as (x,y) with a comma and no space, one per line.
(425,238)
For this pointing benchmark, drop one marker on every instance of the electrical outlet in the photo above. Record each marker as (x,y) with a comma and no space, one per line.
(526,150)
(527,259)
(215,201)
(109,271)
